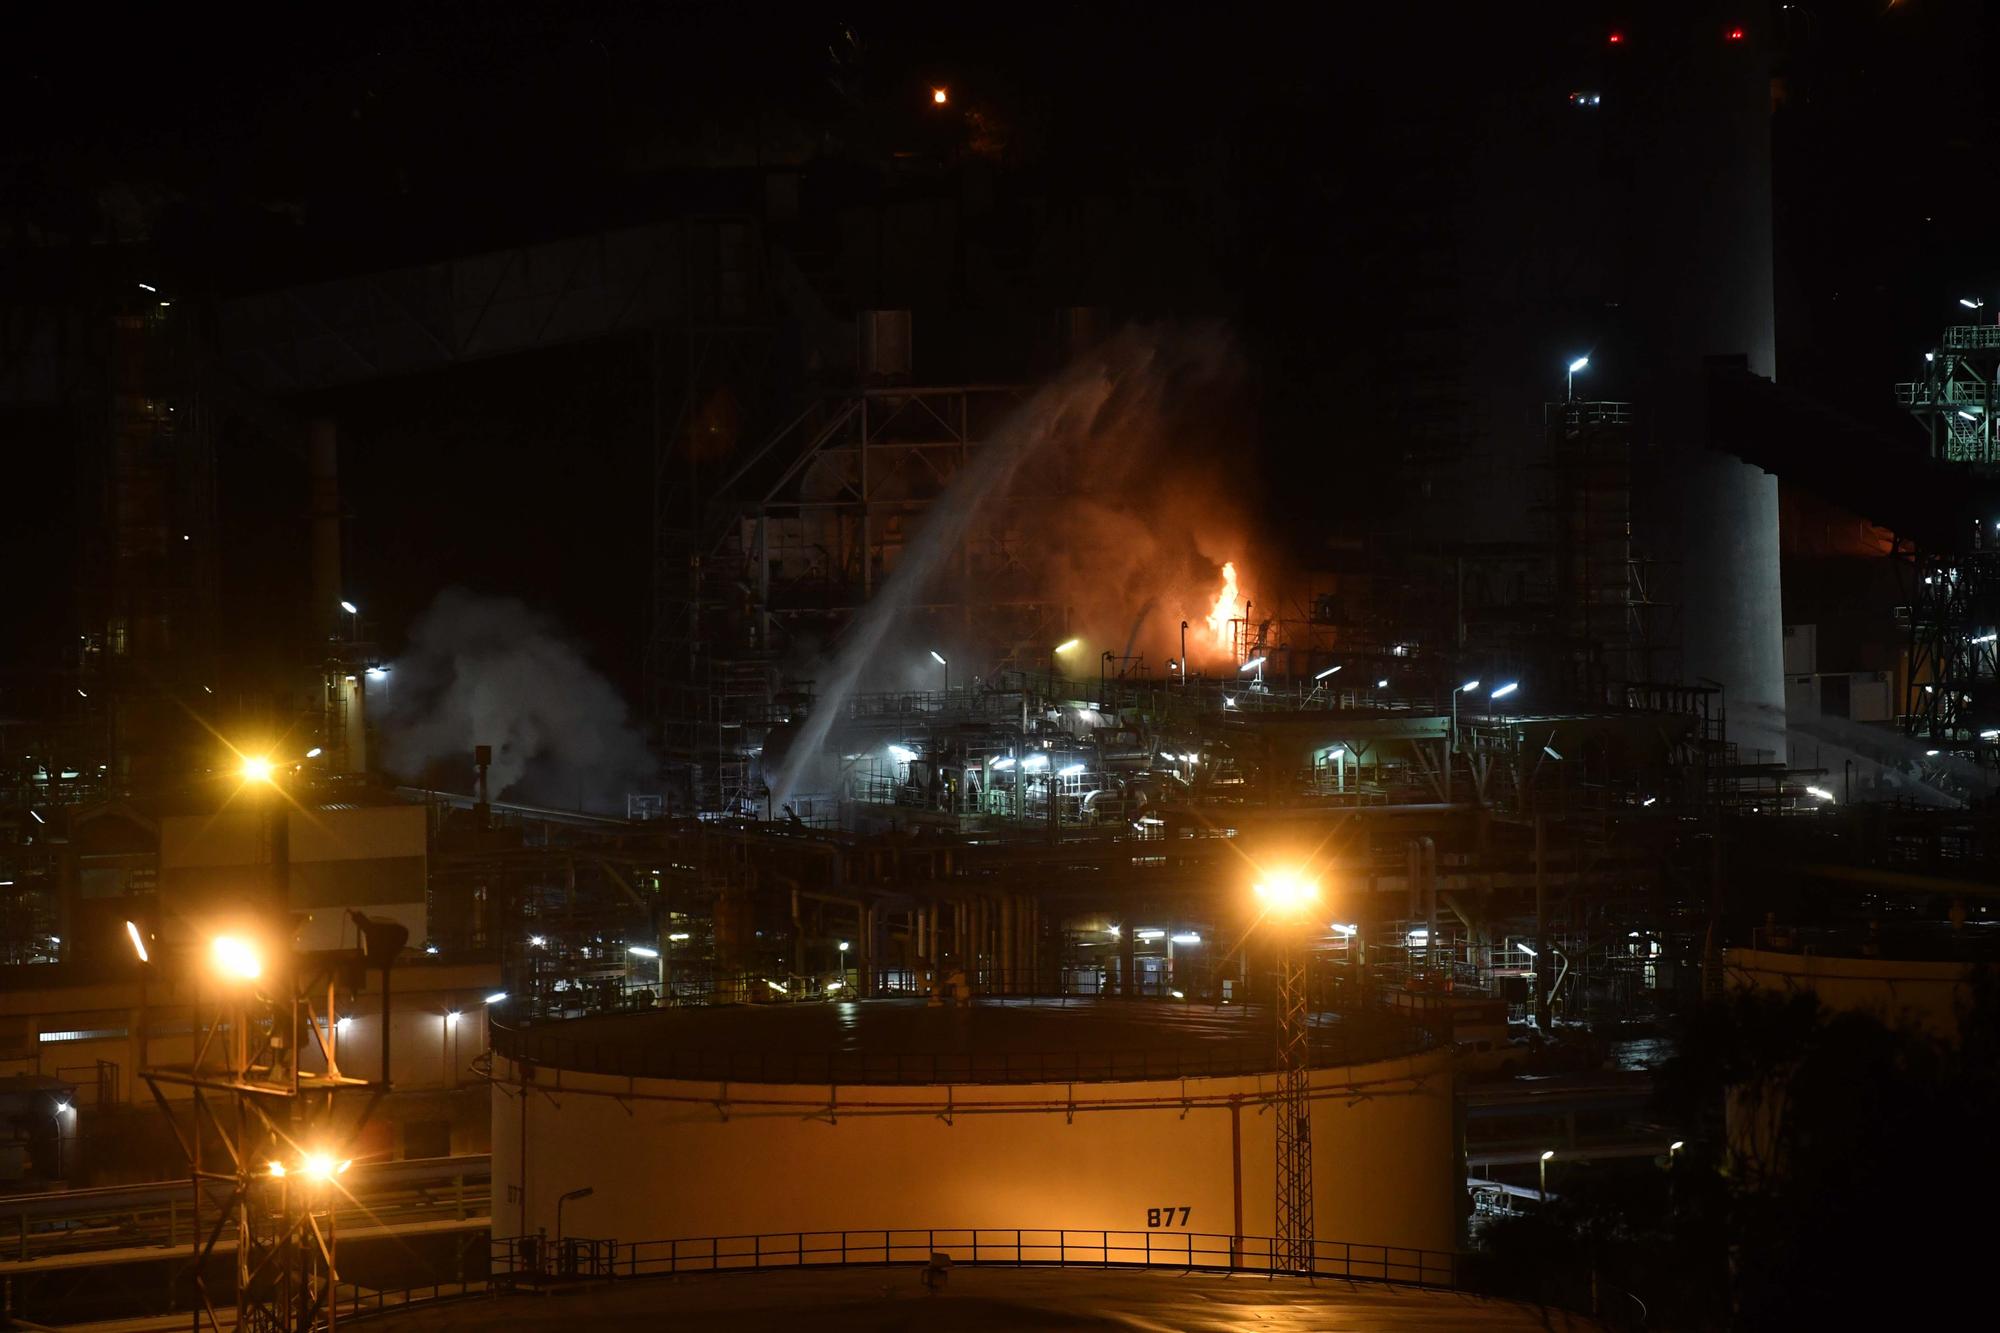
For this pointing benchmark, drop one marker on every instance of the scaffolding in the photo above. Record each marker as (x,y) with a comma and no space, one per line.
(1952,587)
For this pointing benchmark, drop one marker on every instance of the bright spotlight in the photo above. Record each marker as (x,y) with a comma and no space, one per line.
(236,958)
(1548,1154)
(138,942)
(1067,644)
(537,941)
(902,754)
(277,1170)
(350,608)
(1502,691)
(1971,302)
(1252,664)
(378,673)
(1035,763)
(256,768)
(939,96)
(1551,752)
(938,657)
(641,951)
(496,997)
(321,1167)
(1382,684)
(1578,364)
(1288,891)
(1328,672)
(313,753)
(1469,686)
(1069,770)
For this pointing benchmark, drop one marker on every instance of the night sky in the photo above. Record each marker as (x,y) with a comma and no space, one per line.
(1280,163)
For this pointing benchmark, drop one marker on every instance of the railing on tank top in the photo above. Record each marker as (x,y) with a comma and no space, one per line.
(1333,1046)
(533,1260)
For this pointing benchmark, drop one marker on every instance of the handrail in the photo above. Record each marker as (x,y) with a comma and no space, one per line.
(1335,1047)
(532,1260)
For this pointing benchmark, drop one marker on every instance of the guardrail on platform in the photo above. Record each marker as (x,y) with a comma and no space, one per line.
(532,1260)
(1331,1048)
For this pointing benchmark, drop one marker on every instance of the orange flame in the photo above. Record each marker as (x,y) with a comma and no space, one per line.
(1228,607)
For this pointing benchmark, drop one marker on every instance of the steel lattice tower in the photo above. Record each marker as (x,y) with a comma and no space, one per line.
(1293,1245)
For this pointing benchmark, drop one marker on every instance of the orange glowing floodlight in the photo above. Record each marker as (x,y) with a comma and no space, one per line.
(1287,892)
(940,96)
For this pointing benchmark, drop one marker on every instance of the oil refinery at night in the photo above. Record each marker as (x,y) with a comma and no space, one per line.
(844,671)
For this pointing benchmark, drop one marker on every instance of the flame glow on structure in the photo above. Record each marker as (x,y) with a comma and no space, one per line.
(1228,607)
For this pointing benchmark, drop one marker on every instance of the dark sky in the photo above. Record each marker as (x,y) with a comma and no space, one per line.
(1289,152)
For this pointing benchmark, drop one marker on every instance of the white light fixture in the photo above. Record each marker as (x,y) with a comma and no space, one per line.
(1382,684)
(1578,364)
(1228,702)
(902,754)
(343,1023)
(1470,685)
(496,997)
(1069,770)
(1550,751)
(1328,672)
(378,673)
(1189,938)
(1003,763)
(1150,933)
(148,287)
(1971,302)
(680,936)
(1649,800)
(313,753)
(1502,691)
(641,951)
(451,1018)
(350,608)
(938,657)
(1966,416)
(1251,665)
(1346,932)
(1035,763)
(1821,792)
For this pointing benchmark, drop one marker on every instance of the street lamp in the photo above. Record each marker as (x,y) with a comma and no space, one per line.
(235,958)
(1184,626)
(138,941)
(1547,1153)
(1674,1148)
(1575,366)
(1500,692)
(1288,896)
(1066,646)
(255,768)
(938,657)
(1468,687)
(353,621)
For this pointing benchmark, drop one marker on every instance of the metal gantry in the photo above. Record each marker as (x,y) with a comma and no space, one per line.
(1293,1251)
(262,1076)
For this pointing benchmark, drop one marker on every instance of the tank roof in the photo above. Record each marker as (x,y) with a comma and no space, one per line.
(908,1041)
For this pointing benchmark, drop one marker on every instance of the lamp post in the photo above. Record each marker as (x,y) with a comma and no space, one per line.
(1575,366)
(1287,897)
(1547,1153)
(1066,646)
(1500,692)
(353,621)
(938,657)
(1184,654)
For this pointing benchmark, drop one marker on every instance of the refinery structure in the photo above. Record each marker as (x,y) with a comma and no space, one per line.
(1020,802)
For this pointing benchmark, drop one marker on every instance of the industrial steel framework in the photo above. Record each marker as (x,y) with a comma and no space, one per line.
(1952,687)
(263,1123)
(1294,1239)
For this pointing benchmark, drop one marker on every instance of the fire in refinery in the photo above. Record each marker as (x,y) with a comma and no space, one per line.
(1228,610)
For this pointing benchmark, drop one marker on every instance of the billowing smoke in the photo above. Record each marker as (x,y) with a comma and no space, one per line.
(489,671)
(1114,485)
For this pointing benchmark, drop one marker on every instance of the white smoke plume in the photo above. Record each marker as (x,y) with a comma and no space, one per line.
(485,670)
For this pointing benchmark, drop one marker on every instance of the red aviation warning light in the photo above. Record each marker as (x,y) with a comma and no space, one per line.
(1736,34)
(1616,38)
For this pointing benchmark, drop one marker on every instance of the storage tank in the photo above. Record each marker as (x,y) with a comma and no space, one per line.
(1149,1119)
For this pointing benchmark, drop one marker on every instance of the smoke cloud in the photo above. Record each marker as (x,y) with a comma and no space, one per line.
(489,671)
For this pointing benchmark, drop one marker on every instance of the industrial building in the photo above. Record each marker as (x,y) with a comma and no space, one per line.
(981,710)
